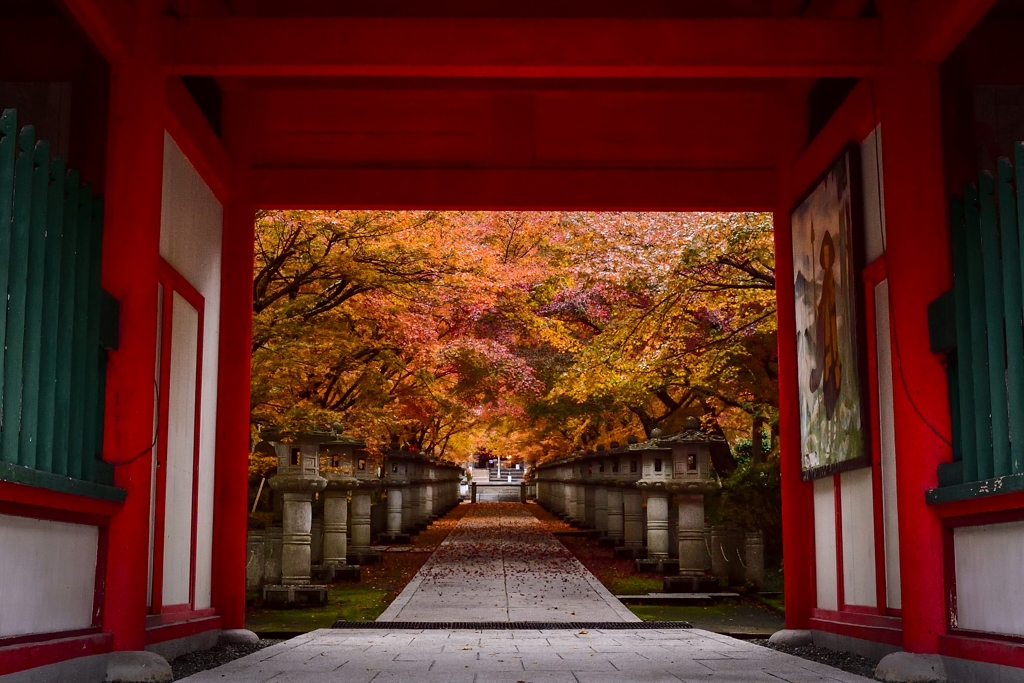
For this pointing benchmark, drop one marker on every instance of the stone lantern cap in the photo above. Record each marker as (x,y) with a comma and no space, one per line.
(298,466)
(630,465)
(339,459)
(678,462)
(399,465)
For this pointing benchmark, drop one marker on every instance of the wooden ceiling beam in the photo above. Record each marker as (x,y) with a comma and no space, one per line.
(520,48)
(516,189)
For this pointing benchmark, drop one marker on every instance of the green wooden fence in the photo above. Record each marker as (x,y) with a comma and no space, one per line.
(987,369)
(52,362)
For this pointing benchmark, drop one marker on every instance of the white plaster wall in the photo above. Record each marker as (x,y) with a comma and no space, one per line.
(857,501)
(988,578)
(825,543)
(874,194)
(180,456)
(190,240)
(887,435)
(47,575)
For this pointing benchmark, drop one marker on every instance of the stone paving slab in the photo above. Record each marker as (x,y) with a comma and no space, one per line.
(527,656)
(500,564)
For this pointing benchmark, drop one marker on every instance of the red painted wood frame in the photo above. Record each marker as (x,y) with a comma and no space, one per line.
(174,283)
(998,648)
(873,274)
(18,653)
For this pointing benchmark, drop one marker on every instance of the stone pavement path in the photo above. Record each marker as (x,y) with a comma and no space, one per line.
(520,656)
(499,564)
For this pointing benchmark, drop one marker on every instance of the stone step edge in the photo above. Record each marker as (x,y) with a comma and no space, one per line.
(513,625)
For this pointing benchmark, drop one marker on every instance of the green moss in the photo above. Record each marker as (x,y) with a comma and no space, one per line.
(347,602)
(620,584)
(731,618)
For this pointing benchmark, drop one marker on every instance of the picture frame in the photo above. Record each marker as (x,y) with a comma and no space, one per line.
(828,258)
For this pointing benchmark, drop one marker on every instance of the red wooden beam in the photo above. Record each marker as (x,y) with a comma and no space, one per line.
(110,24)
(940,25)
(197,140)
(512,189)
(540,48)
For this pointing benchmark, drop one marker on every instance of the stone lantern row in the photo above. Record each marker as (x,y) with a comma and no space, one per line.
(418,489)
(606,489)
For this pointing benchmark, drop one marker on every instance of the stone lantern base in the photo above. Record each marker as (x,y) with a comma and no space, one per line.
(665,567)
(628,553)
(295,596)
(394,539)
(327,573)
(368,556)
(690,584)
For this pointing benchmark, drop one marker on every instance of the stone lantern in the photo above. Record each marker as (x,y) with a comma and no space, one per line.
(613,498)
(691,478)
(337,466)
(588,473)
(367,478)
(632,503)
(655,474)
(579,513)
(297,479)
(600,474)
(396,478)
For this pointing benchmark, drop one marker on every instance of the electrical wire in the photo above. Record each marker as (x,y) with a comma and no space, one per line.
(156,432)
(885,258)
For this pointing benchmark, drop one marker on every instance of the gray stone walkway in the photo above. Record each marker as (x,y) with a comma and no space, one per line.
(521,656)
(500,564)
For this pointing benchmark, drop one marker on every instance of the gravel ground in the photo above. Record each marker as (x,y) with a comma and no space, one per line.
(194,662)
(847,661)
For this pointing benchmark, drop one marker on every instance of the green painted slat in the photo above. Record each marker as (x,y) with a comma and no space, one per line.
(1018,162)
(979,350)
(961,294)
(65,324)
(16,291)
(77,462)
(8,144)
(93,399)
(29,439)
(55,482)
(994,311)
(1009,233)
(51,306)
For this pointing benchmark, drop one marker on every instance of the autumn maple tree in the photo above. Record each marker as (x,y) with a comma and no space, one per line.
(527,333)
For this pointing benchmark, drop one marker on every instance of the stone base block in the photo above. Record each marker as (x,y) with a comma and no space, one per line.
(903,667)
(690,584)
(609,542)
(394,539)
(627,553)
(363,557)
(655,566)
(294,596)
(238,636)
(321,573)
(792,638)
(137,666)
(348,572)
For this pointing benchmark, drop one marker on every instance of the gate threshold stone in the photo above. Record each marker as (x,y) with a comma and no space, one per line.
(511,625)
(563,655)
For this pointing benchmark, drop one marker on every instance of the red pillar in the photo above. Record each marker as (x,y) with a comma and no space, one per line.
(797,495)
(131,244)
(918,270)
(231,483)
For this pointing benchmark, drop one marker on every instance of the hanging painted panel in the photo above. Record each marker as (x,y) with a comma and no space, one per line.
(826,264)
